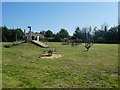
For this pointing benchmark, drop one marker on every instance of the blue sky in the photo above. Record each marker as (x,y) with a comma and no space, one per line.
(57,15)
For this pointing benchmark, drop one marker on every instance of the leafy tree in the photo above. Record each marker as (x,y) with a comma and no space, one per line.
(56,38)
(42,32)
(48,33)
(77,33)
(112,35)
(105,35)
(10,34)
(118,33)
(80,33)
(63,34)
(60,35)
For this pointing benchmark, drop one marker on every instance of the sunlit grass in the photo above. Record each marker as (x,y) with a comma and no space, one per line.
(96,68)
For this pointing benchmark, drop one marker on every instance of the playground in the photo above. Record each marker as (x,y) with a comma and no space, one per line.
(71,63)
(23,67)
(60,44)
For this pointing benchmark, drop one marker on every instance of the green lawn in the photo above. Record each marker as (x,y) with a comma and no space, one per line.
(97,68)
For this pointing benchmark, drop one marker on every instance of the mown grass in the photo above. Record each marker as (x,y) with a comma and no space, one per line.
(0,65)
(97,68)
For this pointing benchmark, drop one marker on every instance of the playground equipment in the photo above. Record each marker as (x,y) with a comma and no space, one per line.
(31,37)
(66,41)
(39,43)
(49,51)
(13,44)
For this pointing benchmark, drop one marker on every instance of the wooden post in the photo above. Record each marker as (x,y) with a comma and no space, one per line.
(37,38)
(30,34)
(16,37)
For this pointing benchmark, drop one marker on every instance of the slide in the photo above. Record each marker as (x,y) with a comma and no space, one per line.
(40,43)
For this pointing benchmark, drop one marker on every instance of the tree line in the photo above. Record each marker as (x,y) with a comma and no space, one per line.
(11,35)
(96,35)
(102,35)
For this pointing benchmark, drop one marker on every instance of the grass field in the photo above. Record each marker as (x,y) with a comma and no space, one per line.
(97,68)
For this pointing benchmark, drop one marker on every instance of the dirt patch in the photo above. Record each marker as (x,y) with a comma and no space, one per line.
(26,45)
(51,57)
